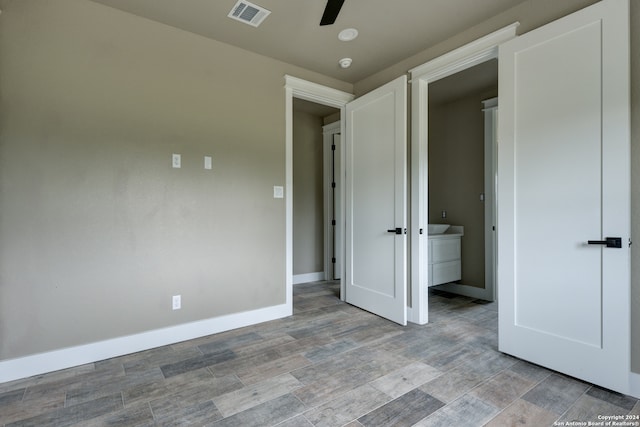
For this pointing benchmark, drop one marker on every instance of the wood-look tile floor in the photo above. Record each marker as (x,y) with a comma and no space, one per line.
(330,364)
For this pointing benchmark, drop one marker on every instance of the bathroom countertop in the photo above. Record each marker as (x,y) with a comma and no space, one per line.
(453,231)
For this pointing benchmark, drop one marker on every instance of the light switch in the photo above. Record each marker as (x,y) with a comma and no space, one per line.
(176,160)
(278,192)
(207,162)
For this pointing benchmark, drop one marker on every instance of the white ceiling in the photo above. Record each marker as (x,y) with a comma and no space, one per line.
(390,30)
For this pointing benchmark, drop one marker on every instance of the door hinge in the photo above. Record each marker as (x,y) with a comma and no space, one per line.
(333,185)
(333,147)
(333,260)
(333,222)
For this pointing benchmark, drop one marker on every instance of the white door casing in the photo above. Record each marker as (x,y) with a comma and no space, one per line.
(462,58)
(564,179)
(490,111)
(302,89)
(375,158)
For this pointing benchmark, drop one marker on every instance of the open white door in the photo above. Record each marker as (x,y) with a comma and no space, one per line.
(376,200)
(564,179)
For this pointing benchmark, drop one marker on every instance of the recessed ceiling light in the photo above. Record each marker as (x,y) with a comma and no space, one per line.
(345,62)
(348,34)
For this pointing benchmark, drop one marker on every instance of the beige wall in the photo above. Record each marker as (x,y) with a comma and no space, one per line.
(97,231)
(308,213)
(456,176)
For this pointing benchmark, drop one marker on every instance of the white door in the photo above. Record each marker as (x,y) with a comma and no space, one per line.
(375,188)
(564,179)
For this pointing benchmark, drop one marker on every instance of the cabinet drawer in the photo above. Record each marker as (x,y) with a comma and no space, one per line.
(445,250)
(445,272)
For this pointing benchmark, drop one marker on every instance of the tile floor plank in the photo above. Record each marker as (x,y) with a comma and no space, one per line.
(329,364)
(406,410)
(248,397)
(556,393)
(347,407)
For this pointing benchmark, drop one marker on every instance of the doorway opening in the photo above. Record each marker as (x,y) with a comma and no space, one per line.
(301,90)
(461,182)
(422,77)
(314,220)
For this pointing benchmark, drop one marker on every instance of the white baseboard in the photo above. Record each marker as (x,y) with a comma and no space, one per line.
(308,277)
(634,385)
(413,316)
(468,291)
(37,364)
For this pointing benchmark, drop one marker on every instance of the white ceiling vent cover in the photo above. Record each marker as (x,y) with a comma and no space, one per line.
(248,13)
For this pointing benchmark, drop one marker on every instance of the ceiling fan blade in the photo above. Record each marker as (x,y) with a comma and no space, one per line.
(331,12)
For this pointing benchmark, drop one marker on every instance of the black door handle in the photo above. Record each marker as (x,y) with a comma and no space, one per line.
(610,242)
(397,231)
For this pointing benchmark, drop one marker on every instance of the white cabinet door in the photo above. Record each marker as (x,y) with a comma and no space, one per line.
(376,187)
(564,179)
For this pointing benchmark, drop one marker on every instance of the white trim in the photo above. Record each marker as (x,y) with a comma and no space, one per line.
(302,89)
(308,277)
(418,311)
(634,385)
(466,290)
(490,112)
(288,197)
(317,93)
(464,57)
(41,363)
(332,127)
(490,104)
(460,59)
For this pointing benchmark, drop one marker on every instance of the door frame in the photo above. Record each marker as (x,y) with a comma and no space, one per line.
(467,56)
(308,91)
(490,111)
(328,140)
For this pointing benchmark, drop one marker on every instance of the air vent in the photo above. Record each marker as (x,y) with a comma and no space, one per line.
(248,13)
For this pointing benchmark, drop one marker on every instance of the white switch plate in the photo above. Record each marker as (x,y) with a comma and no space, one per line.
(207,162)
(176,160)
(176,302)
(278,192)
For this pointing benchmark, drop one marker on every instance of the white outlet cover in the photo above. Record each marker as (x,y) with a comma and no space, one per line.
(278,192)
(176,302)
(208,161)
(176,160)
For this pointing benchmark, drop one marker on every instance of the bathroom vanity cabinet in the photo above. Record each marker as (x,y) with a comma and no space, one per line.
(445,264)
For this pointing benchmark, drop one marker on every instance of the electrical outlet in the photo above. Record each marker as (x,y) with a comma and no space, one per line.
(176,302)
(176,160)
(207,162)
